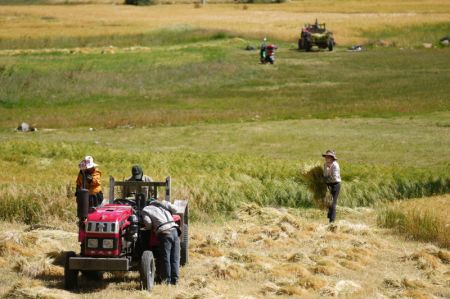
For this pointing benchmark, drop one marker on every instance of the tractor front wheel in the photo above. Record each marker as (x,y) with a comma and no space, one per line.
(92,275)
(147,270)
(308,45)
(330,45)
(70,276)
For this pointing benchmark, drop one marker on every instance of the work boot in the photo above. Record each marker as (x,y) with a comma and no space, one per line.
(332,227)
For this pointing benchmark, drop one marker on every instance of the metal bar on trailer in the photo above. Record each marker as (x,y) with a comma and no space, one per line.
(140,184)
(111,189)
(167,189)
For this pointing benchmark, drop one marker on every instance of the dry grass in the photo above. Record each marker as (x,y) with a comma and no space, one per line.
(284,20)
(257,256)
(421,219)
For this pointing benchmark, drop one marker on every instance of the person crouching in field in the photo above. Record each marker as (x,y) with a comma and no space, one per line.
(332,174)
(89,178)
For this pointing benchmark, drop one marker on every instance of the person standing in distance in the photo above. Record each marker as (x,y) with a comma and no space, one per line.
(332,175)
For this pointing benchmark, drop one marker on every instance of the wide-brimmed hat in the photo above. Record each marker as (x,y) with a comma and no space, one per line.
(330,153)
(87,163)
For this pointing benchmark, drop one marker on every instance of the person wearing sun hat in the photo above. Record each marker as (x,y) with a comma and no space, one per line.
(89,178)
(332,175)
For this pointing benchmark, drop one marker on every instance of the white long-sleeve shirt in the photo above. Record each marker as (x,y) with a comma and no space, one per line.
(332,173)
(157,218)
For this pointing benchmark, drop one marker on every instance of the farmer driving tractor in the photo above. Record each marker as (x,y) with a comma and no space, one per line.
(137,175)
(89,178)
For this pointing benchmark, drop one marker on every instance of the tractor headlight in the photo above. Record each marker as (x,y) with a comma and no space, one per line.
(108,243)
(92,243)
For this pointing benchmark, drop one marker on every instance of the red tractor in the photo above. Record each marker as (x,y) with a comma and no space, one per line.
(112,237)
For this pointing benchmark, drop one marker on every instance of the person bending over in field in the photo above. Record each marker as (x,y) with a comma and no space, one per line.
(332,174)
(89,178)
(157,216)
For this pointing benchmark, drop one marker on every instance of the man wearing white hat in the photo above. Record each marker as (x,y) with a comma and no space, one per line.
(89,178)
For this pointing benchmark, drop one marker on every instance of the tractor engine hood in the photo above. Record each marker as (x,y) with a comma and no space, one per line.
(117,214)
(103,229)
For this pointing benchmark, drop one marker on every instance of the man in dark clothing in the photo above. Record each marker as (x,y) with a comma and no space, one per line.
(137,175)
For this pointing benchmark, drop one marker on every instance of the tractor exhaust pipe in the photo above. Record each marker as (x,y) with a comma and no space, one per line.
(82,203)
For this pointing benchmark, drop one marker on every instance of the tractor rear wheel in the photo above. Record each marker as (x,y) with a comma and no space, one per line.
(184,246)
(147,270)
(70,276)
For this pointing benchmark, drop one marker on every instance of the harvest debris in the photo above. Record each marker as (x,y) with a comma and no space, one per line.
(263,251)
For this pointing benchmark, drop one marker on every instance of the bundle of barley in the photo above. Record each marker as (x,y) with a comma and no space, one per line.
(313,177)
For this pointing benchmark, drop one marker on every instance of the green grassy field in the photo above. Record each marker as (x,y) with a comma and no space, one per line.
(215,81)
(192,103)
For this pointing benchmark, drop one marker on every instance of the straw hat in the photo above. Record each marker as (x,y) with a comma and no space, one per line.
(330,153)
(87,163)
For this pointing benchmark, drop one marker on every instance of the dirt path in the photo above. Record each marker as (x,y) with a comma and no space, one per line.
(264,252)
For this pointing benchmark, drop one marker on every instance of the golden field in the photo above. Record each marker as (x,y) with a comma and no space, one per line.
(347,20)
(250,178)
(421,219)
(261,253)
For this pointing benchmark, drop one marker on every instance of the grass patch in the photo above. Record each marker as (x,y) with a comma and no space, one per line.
(216,81)
(419,219)
(409,36)
(169,36)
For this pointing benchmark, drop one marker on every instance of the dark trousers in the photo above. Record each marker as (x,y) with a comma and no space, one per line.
(334,190)
(170,255)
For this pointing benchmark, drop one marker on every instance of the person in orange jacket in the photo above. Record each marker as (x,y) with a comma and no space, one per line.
(89,178)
